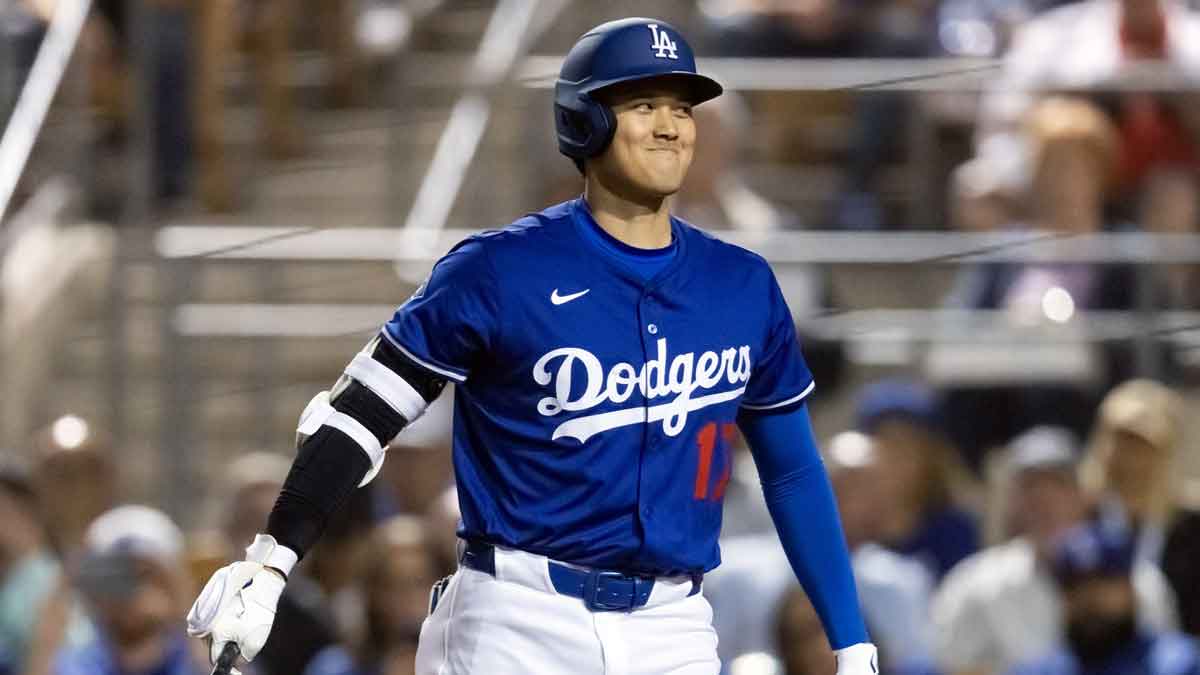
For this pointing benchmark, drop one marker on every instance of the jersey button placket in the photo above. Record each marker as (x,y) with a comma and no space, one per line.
(649,340)
(651,326)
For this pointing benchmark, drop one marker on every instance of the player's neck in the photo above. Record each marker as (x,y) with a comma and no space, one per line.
(638,223)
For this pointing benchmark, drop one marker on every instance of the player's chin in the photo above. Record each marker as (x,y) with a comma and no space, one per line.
(662,188)
(663,182)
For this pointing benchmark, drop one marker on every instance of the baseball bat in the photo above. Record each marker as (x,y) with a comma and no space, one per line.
(229,654)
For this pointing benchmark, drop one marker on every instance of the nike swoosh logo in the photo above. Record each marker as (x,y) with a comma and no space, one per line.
(563,299)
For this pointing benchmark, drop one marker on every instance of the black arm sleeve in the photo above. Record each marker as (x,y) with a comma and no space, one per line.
(330,464)
(327,469)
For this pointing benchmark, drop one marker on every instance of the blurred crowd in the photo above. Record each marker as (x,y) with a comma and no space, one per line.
(1061,555)
(1028,528)
(162,68)
(1085,49)
(167,66)
(92,585)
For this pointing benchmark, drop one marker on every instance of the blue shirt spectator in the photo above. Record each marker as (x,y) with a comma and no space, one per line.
(922,478)
(943,539)
(98,658)
(1166,654)
(335,660)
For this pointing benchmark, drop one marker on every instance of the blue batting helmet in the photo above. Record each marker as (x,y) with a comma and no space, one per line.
(611,53)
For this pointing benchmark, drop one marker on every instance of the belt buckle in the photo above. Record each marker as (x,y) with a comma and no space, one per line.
(592,588)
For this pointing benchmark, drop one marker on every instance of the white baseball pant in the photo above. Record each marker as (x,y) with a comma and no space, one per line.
(516,624)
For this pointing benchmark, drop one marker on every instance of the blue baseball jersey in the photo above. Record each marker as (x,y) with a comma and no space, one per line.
(593,406)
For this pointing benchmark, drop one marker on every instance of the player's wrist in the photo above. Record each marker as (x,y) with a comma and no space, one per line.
(860,657)
(272,555)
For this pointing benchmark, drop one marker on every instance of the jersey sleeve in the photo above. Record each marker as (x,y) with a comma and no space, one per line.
(781,378)
(453,317)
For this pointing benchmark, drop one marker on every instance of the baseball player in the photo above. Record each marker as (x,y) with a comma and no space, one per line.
(602,352)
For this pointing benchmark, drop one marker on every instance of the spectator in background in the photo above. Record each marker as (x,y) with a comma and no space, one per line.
(894,590)
(1180,555)
(745,512)
(1171,205)
(1094,565)
(267,26)
(890,29)
(218,26)
(133,580)
(780,28)
(1073,162)
(74,479)
(337,562)
(1131,457)
(715,193)
(304,622)
(163,45)
(922,478)
(1088,46)
(803,647)
(399,571)
(985,192)
(1001,606)
(28,572)
(441,526)
(22,31)
(1074,149)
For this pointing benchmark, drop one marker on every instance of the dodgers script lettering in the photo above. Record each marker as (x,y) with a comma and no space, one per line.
(659,378)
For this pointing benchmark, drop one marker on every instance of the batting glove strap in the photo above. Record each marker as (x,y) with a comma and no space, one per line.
(266,551)
(237,605)
(857,659)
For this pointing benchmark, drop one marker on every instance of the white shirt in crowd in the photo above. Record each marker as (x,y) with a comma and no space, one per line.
(998,608)
(1077,46)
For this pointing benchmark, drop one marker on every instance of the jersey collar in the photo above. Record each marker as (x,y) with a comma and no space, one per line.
(581,216)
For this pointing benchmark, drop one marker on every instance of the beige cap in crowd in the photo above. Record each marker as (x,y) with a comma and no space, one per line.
(1145,409)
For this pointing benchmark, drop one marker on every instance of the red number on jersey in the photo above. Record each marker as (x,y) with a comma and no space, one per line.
(707,442)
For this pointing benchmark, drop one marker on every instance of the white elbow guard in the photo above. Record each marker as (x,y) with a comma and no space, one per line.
(319,412)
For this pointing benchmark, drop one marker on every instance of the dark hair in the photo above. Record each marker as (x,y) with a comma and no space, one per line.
(15,481)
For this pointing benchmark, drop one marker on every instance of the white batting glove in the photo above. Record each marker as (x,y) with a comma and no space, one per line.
(238,602)
(857,659)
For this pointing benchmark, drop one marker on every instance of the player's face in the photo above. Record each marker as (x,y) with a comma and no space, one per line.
(653,144)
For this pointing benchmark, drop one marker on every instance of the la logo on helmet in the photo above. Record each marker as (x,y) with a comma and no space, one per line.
(663,45)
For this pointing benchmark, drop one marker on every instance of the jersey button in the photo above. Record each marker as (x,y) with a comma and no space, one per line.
(652,329)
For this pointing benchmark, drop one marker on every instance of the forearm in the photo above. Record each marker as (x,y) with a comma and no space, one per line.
(344,451)
(327,470)
(802,505)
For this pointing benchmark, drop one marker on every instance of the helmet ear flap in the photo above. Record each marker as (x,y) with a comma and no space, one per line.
(605,124)
(585,130)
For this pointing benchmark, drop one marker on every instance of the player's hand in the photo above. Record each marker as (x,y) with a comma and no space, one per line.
(859,659)
(238,605)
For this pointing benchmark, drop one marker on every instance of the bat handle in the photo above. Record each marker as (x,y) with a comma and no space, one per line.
(229,654)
